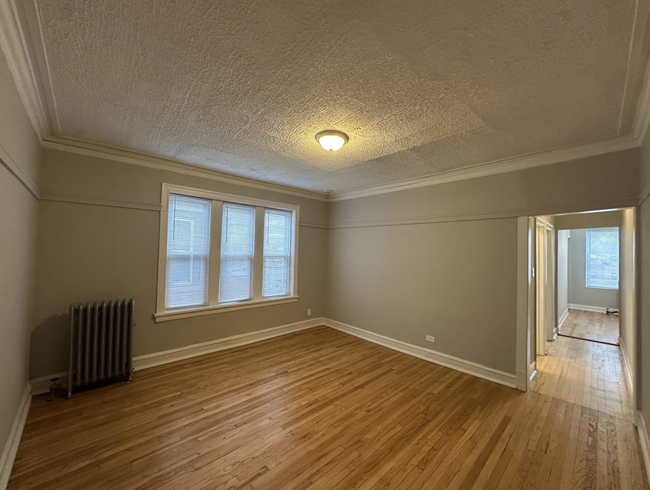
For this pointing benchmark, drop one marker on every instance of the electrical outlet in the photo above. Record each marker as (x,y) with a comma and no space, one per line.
(431,338)
(309,312)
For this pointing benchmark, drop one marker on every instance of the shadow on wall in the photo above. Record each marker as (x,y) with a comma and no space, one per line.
(50,344)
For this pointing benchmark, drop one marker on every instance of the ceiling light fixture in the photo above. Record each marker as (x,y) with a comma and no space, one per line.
(331,139)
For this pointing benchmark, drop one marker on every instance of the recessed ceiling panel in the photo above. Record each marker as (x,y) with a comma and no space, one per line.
(420,86)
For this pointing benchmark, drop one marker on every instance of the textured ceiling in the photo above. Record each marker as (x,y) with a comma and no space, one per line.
(420,86)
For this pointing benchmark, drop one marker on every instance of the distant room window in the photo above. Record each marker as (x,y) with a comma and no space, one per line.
(602,258)
(222,252)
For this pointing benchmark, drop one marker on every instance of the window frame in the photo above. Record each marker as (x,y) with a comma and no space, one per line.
(214,268)
(588,254)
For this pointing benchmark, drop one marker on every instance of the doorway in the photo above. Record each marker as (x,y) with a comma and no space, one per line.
(544,285)
(547,318)
(589,271)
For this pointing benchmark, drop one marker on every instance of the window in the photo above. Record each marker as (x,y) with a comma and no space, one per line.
(188,248)
(220,252)
(602,258)
(237,253)
(276,275)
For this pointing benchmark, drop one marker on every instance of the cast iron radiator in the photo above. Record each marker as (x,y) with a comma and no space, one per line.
(100,343)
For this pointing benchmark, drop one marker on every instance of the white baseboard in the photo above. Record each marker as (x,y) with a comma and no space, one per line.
(187,352)
(11,446)
(643,439)
(522,380)
(562,318)
(446,360)
(627,371)
(596,309)
(42,385)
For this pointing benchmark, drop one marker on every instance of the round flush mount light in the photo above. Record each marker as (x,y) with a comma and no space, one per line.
(331,139)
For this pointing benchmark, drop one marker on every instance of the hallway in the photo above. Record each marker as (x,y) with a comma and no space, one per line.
(591,375)
(588,374)
(590,325)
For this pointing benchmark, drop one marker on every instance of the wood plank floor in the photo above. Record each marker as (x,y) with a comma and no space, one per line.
(590,325)
(588,374)
(321,409)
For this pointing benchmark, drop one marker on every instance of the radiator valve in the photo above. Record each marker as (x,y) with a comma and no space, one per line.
(55,389)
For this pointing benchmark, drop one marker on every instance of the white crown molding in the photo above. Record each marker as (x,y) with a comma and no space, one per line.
(572,207)
(497,167)
(483,170)
(143,160)
(14,46)
(451,362)
(10,164)
(634,140)
(13,441)
(642,115)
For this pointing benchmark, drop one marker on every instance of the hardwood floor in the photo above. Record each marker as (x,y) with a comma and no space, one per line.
(588,374)
(590,325)
(322,409)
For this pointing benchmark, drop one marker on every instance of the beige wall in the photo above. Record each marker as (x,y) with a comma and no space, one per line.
(442,260)
(606,219)
(600,182)
(562,272)
(19,164)
(102,250)
(579,293)
(643,342)
(456,281)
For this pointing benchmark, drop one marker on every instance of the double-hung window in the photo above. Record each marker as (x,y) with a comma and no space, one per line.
(602,258)
(220,252)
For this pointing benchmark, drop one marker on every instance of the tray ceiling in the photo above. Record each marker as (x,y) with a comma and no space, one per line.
(422,87)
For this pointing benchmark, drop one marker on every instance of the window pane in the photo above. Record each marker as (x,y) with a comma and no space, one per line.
(602,259)
(188,247)
(276,276)
(237,248)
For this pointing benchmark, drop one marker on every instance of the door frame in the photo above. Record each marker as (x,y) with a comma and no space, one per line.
(526,347)
(541,285)
(525,327)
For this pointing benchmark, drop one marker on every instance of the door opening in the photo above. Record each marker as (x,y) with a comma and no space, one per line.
(590,267)
(544,306)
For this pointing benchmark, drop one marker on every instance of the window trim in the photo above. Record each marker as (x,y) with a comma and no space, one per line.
(587,254)
(217,199)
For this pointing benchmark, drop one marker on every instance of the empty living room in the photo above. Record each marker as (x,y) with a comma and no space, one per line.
(324,245)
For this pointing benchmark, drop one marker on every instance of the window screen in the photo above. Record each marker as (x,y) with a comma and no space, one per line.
(602,259)
(276,274)
(188,249)
(237,251)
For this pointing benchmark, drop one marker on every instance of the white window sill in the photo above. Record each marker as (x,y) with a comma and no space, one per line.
(166,316)
(602,287)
